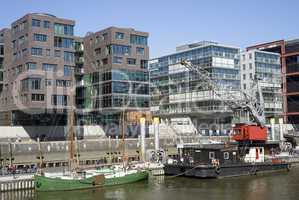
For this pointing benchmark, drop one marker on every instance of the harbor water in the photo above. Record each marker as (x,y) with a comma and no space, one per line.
(280,186)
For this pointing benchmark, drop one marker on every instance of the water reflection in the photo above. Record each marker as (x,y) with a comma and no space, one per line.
(18,195)
(281,186)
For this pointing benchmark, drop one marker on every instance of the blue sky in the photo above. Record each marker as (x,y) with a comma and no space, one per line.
(173,22)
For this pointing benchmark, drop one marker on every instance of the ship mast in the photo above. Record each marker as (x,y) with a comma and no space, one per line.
(73,162)
(123,139)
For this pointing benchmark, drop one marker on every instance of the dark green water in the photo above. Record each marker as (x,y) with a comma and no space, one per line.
(280,186)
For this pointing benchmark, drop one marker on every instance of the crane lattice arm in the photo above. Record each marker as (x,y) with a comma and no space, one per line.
(253,104)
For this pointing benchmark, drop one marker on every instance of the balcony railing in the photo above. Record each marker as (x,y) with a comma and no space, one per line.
(193,109)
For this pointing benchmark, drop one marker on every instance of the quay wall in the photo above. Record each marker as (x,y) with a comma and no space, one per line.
(90,151)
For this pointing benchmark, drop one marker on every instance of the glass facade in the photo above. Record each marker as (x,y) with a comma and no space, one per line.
(120,88)
(268,73)
(174,89)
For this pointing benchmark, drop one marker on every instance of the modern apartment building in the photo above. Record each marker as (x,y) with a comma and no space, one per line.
(264,69)
(177,93)
(116,77)
(5,61)
(289,52)
(39,79)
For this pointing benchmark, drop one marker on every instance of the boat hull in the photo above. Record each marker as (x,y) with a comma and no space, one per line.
(209,171)
(47,184)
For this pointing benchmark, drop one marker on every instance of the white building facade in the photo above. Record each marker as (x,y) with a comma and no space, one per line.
(265,68)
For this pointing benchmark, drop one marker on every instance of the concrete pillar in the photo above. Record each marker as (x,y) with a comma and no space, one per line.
(281,129)
(142,139)
(157,133)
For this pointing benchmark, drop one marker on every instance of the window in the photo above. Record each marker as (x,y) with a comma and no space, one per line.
(226,155)
(19,69)
(22,25)
(49,67)
(211,155)
(117,60)
(39,37)
(250,56)
(37,97)
(49,82)
(105,36)
(63,29)
(57,53)
(98,39)
(14,44)
(67,70)
(144,64)
(250,65)
(36,51)
(250,75)
(31,66)
(63,83)
(131,61)
(97,51)
(21,40)
(121,50)
(63,42)
(244,86)
(119,36)
(1,50)
(35,83)
(244,76)
(105,61)
(47,24)
(138,39)
(15,29)
(59,100)
(24,52)
(35,23)
(140,50)
(69,57)
(244,67)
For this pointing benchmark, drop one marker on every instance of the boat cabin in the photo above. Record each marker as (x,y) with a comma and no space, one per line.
(208,154)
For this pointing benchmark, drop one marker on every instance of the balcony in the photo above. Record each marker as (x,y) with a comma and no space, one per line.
(79,47)
(79,70)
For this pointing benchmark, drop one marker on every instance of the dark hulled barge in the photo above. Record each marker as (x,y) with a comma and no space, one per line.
(221,160)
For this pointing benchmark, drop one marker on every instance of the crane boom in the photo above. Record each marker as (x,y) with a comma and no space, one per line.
(252,104)
(232,100)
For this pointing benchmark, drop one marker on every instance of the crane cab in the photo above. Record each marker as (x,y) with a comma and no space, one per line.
(249,132)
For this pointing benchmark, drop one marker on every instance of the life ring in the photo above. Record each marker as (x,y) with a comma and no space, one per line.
(217,170)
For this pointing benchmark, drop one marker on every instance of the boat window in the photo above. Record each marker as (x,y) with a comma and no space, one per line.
(211,155)
(226,155)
